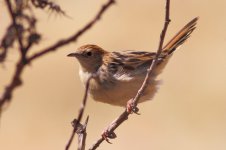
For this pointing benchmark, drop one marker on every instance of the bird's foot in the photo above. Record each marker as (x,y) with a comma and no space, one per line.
(131,108)
(108,135)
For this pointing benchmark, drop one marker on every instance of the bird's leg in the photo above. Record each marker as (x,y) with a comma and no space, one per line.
(131,108)
(108,135)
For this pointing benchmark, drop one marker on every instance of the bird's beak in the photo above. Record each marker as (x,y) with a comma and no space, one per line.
(73,55)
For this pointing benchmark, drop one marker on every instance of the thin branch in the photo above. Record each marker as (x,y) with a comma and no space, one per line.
(74,37)
(81,131)
(76,122)
(15,82)
(150,71)
(117,122)
(82,135)
(125,114)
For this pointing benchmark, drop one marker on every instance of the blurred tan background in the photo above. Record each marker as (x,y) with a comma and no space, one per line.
(189,111)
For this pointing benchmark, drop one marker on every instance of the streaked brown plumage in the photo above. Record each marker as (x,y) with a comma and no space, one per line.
(120,74)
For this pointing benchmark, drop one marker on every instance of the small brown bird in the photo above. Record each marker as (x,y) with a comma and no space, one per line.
(121,74)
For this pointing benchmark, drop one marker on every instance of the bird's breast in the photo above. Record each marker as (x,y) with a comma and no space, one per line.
(116,92)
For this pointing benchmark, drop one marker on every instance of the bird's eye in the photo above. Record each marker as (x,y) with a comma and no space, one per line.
(89,53)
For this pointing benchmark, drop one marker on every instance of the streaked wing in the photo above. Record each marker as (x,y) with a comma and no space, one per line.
(128,64)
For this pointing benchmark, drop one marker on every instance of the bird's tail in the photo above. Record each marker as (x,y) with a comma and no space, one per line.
(174,43)
(180,37)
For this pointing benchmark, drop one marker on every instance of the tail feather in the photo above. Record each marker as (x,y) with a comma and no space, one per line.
(180,37)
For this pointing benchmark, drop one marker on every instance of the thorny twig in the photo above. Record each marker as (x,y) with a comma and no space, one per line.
(48,4)
(75,36)
(124,116)
(33,37)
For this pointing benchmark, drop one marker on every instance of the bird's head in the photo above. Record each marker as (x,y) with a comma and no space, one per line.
(90,57)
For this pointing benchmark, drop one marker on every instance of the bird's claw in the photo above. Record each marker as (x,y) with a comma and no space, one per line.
(131,108)
(108,135)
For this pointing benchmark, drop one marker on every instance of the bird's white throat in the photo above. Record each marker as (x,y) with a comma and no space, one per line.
(84,75)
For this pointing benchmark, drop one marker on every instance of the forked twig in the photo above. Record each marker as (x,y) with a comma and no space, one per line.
(82,135)
(76,122)
(125,114)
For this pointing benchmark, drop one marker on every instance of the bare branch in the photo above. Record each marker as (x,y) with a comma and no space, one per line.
(117,122)
(153,64)
(81,131)
(76,122)
(74,37)
(82,136)
(125,114)
(15,82)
